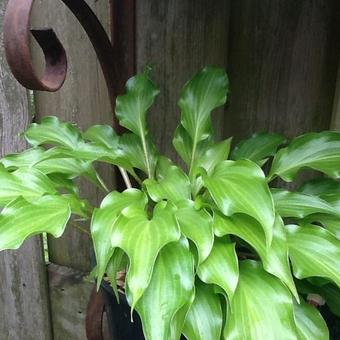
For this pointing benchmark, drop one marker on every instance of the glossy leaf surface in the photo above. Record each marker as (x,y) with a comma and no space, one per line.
(258,147)
(21,219)
(103,223)
(240,187)
(141,239)
(319,151)
(309,322)
(314,252)
(262,308)
(204,319)
(221,267)
(170,290)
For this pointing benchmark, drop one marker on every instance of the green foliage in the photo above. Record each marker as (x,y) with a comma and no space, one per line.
(211,251)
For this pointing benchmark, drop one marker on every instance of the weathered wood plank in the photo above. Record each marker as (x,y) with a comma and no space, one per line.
(335,124)
(282,65)
(83,100)
(24,303)
(178,38)
(69,293)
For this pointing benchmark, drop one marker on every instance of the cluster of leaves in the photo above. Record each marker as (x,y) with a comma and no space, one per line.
(208,250)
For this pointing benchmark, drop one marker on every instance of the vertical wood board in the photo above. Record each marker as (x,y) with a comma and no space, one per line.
(24,302)
(83,100)
(177,38)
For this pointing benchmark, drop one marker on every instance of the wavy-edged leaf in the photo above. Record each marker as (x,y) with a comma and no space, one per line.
(131,109)
(240,187)
(142,238)
(102,135)
(26,182)
(262,307)
(309,322)
(258,148)
(24,159)
(170,292)
(314,252)
(274,259)
(294,204)
(206,91)
(103,223)
(52,131)
(317,150)
(330,222)
(21,219)
(172,183)
(221,267)
(204,319)
(196,225)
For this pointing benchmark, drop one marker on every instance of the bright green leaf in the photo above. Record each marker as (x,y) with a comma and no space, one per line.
(221,267)
(102,135)
(314,252)
(103,223)
(262,308)
(309,322)
(204,319)
(169,293)
(172,183)
(142,238)
(240,187)
(258,147)
(294,204)
(319,151)
(21,219)
(196,225)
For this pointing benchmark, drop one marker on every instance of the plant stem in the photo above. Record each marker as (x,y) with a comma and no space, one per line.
(145,150)
(125,177)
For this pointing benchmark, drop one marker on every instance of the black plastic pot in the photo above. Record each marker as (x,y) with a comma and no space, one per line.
(118,315)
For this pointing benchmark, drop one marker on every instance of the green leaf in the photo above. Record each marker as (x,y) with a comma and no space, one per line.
(262,308)
(27,182)
(206,91)
(204,319)
(331,294)
(103,224)
(240,187)
(221,267)
(102,135)
(196,225)
(258,147)
(23,159)
(314,252)
(275,258)
(21,219)
(131,109)
(319,151)
(294,204)
(172,183)
(52,131)
(142,238)
(170,292)
(309,323)
(331,223)
(320,186)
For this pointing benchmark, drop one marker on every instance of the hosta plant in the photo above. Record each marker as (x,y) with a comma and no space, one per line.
(213,249)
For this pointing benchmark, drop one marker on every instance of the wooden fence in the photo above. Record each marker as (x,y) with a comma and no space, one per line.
(282,59)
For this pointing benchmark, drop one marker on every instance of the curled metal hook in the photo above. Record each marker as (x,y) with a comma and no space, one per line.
(17,46)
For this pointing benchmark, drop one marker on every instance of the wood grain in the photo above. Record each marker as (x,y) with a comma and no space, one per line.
(178,38)
(24,303)
(283,58)
(83,100)
(69,293)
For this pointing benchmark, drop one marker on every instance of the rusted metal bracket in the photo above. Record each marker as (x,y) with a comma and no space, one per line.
(17,46)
